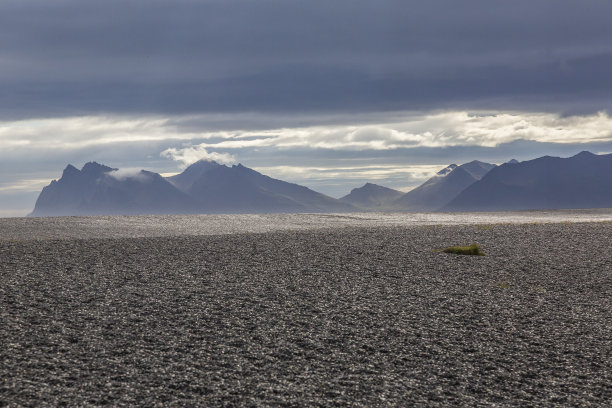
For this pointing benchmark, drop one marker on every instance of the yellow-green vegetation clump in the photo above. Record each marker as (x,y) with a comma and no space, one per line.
(464,250)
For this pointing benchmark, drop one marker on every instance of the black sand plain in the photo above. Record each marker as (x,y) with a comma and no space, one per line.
(352,316)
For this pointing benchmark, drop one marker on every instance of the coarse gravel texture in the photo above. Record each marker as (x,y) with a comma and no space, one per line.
(345,317)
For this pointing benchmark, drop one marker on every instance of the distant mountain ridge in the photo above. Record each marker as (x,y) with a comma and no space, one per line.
(97,190)
(204,187)
(442,188)
(436,192)
(371,197)
(183,181)
(220,188)
(581,181)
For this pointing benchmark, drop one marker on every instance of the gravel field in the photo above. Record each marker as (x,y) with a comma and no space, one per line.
(135,226)
(368,316)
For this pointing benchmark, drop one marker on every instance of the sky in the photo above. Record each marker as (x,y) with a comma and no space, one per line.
(329,94)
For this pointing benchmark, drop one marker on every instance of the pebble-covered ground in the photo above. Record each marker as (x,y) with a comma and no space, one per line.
(347,317)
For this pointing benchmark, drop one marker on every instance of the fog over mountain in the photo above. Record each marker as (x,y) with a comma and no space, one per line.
(185,180)
(581,181)
(98,190)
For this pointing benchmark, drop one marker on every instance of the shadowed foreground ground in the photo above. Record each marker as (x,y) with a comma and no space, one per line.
(370,316)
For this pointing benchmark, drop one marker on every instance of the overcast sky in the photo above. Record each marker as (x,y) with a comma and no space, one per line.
(329,94)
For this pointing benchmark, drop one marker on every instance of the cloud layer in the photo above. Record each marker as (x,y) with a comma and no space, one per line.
(190,155)
(190,139)
(75,58)
(328,153)
(326,93)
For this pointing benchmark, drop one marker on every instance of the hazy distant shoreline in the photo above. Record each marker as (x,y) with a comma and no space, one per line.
(365,316)
(222,224)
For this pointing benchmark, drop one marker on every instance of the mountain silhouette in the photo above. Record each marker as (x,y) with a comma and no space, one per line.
(204,187)
(371,197)
(97,189)
(581,181)
(220,188)
(442,188)
(69,195)
(193,173)
(477,168)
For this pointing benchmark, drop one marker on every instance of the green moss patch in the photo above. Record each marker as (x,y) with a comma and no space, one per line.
(464,250)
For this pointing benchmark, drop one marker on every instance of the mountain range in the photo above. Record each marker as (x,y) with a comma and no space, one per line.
(581,181)
(204,187)
(443,187)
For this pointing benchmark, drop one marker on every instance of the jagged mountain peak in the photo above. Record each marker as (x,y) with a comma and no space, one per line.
(443,187)
(241,189)
(580,181)
(240,167)
(193,172)
(243,169)
(583,180)
(445,171)
(99,190)
(95,167)
(69,171)
(477,168)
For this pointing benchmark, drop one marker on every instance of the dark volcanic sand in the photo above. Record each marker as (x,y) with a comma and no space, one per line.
(355,316)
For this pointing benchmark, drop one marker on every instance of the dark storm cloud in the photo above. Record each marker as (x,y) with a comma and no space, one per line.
(74,57)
